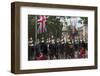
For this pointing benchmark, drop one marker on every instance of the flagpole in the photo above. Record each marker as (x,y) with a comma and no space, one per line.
(35,30)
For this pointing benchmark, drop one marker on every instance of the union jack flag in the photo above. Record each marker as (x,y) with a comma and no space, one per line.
(42,24)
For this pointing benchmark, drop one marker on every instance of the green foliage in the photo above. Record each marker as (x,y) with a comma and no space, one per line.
(31,26)
(84,19)
(54,26)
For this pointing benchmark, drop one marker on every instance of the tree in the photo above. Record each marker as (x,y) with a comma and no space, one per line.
(31,26)
(54,26)
(84,20)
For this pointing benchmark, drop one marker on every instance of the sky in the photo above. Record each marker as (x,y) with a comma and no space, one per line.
(74,21)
